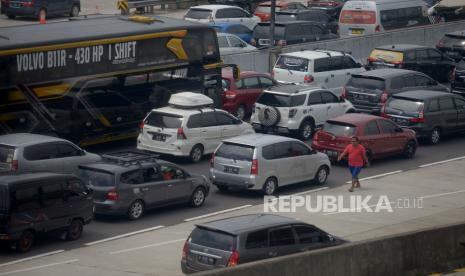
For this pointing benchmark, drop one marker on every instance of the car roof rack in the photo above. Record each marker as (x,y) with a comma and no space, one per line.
(129,158)
(326,51)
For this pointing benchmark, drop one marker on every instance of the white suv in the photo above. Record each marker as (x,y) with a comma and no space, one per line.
(188,127)
(221,14)
(329,69)
(297,109)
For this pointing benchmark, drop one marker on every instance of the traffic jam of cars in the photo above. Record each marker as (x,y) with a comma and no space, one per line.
(273,129)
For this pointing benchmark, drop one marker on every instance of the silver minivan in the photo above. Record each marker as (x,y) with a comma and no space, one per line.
(266,162)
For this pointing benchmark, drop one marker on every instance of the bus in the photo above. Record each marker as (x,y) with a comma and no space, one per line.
(92,80)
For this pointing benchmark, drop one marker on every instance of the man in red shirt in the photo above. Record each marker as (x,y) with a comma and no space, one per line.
(356,155)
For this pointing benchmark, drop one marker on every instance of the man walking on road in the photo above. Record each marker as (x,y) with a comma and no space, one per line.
(356,155)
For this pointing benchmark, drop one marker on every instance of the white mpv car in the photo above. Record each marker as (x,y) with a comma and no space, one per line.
(221,14)
(188,127)
(329,69)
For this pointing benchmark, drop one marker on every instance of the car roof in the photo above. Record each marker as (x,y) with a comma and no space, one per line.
(295,11)
(114,167)
(313,54)
(422,94)
(13,179)
(183,111)
(225,24)
(355,119)
(401,47)
(213,7)
(258,139)
(246,223)
(229,74)
(457,34)
(285,23)
(292,88)
(386,73)
(26,139)
(278,3)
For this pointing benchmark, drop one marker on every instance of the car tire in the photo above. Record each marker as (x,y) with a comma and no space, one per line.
(74,11)
(136,210)
(410,149)
(74,231)
(198,197)
(269,116)
(240,112)
(25,241)
(435,136)
(270,186)
(306,130)
(196,153)
(11,16)
(321,175)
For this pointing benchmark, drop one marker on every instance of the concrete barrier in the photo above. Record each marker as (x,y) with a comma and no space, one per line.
(360,47)
(414,253)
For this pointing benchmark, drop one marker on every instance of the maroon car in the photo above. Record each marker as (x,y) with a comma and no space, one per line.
(381,137)
(239,96)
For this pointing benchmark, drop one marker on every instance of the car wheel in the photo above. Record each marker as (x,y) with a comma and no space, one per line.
(196,153)
(410,149)
(42,13)
(269,116)
(240,112)
(306,130)
(198,197)
(11,16)
(321,175)
(74,11)
(75,230)
(136,210)
(24,243)
(435,136)
(269,188)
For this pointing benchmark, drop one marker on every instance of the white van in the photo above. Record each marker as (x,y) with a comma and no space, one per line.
(369,17)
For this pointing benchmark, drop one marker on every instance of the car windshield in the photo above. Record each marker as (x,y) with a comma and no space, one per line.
(279,100)
(213,239)
(367,83)
(235,151)
(163,120)
(339,128)
(6,154)
(292,63)
(198,14)
(405,105)
(97,178)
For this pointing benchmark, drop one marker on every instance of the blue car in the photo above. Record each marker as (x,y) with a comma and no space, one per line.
(237,29)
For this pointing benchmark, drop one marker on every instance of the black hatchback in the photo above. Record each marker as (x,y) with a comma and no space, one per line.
(34,8)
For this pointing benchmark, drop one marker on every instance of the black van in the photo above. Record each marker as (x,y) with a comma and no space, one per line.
(34,8)
(36,203)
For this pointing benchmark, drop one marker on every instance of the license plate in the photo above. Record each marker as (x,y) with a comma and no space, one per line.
(159,137)
(400,121)
(264,41)
(205,260)
(356,31)
(231,170)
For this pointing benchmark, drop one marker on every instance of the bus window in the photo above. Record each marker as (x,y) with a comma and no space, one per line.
(357,17)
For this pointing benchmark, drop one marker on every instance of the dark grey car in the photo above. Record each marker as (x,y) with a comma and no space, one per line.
(431,114)
(128,183)
(248,238)
(368,91)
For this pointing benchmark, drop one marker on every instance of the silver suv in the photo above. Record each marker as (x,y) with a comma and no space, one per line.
(296,109)
(264,162)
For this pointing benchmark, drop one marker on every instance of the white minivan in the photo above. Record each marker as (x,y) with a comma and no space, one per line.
(328,69)
(369,17)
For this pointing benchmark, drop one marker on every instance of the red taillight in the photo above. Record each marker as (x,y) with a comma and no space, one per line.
(281,42)
(230,95)
(419,119)
(141,125)
(14,165)
(253,42)
(292,112)
(440,44)
(112,195)
(28,4)
(371,59)
(254,167)
(344,93)
(212,160)
(398,64)
(377,28)
(234,259)
(181,135)
(308,79)
(184,251)
(384,96)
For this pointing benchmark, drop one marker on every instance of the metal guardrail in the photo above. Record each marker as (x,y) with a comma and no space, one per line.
(147,6)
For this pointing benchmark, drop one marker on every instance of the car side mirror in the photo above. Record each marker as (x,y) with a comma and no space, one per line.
(358,65)
(83,152)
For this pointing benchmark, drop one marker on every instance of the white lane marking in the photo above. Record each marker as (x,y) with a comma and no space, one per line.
(377,176)
(443,194)
(125,235)
(32,257)
(441,162)
(301,193)
(38,267)
(219,212)
(145,246)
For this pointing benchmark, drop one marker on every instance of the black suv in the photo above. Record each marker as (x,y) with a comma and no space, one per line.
(453,45)
(368,91)
(321,17)
(413,57)
(458,83)
(42,202)
(431,114)
(34,8)
(287,33)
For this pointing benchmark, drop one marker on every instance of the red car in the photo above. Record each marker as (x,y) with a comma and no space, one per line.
(239,96)
(263,10)
(381,137)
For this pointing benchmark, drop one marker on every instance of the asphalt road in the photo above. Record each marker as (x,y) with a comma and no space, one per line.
(104,227)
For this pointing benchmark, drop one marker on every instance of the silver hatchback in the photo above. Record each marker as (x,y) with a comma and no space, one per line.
(264,162)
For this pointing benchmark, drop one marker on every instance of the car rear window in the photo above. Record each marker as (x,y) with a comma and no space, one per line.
(292,63)
(163,120)
(6,154)
(198,13)
(452,40)
(357,17)
(339,128)
(405,104)
(213,239)
(286,17)
(235,151)
(387,56)
(96,178)
(278,100)
(367,83)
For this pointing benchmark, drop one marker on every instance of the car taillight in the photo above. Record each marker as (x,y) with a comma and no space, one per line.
(292,112)
(440,44)
(141,125)
(212,160)
(14,165)
(377,28)
(28,4)
(254,167)
(281,42)
(253,42)
(234,259)
(308,79)
(344,92)
(184,251)
(181,135)
(230,95)
(384,96)
(419,119)
(112,195)
(371,59)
